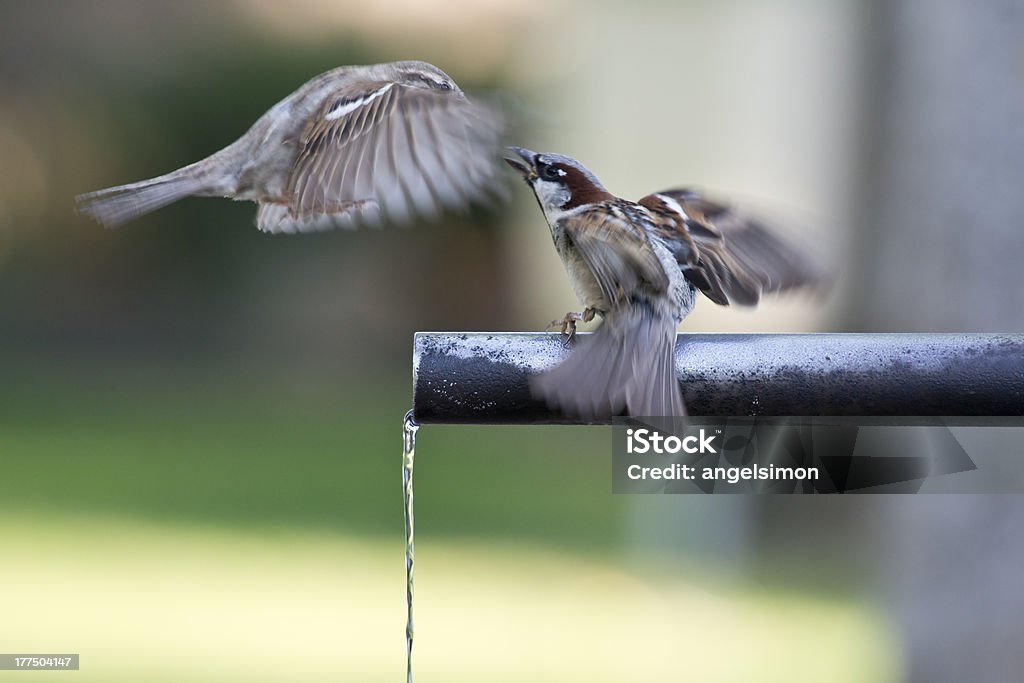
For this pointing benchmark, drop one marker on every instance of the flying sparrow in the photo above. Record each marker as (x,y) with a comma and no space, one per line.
(638,265)
(356,145)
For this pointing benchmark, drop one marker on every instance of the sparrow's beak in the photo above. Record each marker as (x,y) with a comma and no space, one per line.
(522,160)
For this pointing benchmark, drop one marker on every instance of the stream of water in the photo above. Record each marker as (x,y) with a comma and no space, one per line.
(409,429)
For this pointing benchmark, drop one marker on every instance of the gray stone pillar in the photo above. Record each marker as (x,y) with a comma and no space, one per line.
(941,248)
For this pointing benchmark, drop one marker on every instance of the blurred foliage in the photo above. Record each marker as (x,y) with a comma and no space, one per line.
(245,452)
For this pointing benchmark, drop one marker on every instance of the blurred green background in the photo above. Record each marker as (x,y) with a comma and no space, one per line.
(200,424)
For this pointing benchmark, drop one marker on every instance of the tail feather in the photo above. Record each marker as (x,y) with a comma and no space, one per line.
(626,367)
(115,206)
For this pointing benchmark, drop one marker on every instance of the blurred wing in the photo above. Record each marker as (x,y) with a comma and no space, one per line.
(731,258)
(379,151)
(617,252)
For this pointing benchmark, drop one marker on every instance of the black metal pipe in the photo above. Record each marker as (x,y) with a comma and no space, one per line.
(483,377)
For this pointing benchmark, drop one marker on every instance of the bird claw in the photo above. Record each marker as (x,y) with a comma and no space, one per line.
(567,324)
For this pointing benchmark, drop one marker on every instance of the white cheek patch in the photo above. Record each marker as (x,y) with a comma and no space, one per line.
(349,106)
(551,195)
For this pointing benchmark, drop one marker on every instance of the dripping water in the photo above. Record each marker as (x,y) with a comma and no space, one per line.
(409,429)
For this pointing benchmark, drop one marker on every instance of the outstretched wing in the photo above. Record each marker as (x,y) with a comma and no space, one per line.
(616,251)
(731,258)
(380,151)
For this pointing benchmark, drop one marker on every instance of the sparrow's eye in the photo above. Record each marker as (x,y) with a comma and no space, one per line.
(550,172)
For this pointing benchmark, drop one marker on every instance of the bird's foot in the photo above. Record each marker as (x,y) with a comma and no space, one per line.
(567,323)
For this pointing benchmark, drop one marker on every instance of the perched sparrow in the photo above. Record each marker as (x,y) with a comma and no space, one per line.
(355,145)
(638,265)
